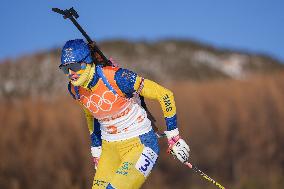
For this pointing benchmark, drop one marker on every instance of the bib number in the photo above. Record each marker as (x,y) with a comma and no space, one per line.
(146,161)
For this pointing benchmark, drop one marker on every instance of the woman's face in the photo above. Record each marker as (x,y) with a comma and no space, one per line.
(74,75)
(73,70)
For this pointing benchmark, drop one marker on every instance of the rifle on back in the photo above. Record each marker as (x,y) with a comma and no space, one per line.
(97,55)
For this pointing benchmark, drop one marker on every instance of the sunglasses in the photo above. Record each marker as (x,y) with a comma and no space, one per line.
(72,66)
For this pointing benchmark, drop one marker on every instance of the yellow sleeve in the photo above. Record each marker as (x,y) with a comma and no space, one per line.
(90,120)
(153,90)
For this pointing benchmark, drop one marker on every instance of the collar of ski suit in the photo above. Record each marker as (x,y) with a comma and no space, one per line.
(95,73)
(91,76)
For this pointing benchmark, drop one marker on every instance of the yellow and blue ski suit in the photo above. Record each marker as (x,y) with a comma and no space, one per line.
(120,125)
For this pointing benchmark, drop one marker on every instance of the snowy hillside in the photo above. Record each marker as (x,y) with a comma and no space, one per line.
(164,61)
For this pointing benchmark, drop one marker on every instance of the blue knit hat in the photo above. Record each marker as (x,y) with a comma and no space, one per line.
(76,51)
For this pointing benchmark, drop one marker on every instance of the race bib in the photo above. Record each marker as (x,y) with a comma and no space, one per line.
(146,161)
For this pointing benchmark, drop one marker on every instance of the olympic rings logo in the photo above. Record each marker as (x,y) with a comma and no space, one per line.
(95,102)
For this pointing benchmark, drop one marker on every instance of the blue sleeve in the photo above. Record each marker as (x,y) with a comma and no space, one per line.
(76,96)
(96,139)
(171,122)
(125,80)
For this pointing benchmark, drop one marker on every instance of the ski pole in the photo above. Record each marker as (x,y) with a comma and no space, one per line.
(195,168)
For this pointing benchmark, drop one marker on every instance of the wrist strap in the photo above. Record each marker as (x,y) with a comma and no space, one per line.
(173,140)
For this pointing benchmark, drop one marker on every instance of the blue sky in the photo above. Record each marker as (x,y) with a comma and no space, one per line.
(255,25)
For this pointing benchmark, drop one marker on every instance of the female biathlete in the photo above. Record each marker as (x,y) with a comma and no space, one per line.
(124,145)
